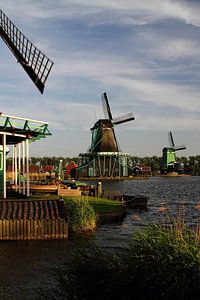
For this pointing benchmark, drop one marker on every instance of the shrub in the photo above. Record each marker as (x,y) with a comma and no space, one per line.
(160,263)
(81,214)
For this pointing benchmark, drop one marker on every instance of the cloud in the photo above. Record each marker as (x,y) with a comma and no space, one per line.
(144,54)
(124,11)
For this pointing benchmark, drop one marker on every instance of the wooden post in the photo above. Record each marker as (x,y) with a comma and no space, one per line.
(27,169)
(23,167)
(15,159)
(19,166)
(13,164)
(4,166)
(99,189)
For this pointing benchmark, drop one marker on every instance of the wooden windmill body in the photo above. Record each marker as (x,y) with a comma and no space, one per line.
(104,158)
(169,162)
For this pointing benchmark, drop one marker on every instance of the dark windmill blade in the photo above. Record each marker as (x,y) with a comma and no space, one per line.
(106,107)
(181,147)
(123,119)
(36,64)
(171,140)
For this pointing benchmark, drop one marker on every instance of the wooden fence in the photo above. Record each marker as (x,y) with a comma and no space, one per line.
(33,220)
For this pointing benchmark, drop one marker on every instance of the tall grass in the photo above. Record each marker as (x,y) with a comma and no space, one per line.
(160,263)
(81,214)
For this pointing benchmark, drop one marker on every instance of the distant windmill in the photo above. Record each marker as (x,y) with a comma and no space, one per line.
(104,158)
(169,162)
(36,64)
(103,134)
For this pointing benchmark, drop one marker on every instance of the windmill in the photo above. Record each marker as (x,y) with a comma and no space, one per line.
(104,158)
(169,163)
(103,134)
(36,64)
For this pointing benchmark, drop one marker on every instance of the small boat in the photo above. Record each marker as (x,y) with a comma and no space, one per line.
(138,201)
(130,201)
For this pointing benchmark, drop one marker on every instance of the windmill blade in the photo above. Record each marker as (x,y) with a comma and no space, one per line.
(36,64)
(181,147)
(106,107)
(171,140)
(123,119)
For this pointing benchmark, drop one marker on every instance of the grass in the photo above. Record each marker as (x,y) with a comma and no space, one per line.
(100,205)
(103,205)
(160,263)
(83,210)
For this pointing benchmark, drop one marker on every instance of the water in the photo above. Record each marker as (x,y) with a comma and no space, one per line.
(24,266)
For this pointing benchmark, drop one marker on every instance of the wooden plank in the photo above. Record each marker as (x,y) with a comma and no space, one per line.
(56,229)
(21,226)
(38,229)
(42,229)
(7,229)
(35,227)
(11,230)
(4,228)
(28,229)
(24,230)
(53,229)
(65,230)
(19,233)
(31,229)
(61,230)
(1,233)
(69,192)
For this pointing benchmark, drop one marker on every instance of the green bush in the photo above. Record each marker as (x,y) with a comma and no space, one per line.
(160,263)
(81,214)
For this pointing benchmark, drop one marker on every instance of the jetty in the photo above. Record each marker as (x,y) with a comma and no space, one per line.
(24,219)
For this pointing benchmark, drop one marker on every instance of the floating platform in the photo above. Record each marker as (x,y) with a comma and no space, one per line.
(33,220)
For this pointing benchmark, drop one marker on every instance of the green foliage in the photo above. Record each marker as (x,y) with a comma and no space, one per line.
(161,263)
(81,214)
(103,205)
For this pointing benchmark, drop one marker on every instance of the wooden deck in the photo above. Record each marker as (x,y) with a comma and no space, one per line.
(54,189)
(33,220)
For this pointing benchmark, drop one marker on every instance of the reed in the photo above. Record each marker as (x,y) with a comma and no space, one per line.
(161,262)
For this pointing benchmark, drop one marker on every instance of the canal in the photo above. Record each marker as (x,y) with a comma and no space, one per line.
(26,266)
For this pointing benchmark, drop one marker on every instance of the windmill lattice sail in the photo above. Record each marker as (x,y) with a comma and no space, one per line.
(103,134)
(36,64)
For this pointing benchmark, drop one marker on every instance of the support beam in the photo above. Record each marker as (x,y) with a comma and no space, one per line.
(23,167)
(27,169)
(13,164)
(19,167)
(4,165)
(15,159)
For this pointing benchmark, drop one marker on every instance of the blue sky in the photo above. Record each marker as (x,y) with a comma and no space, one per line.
(144,54)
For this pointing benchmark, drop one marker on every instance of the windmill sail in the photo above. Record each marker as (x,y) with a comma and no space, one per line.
(181,147)
(171,140)
(123,119)
(172,144)
(36,64)
(106,107)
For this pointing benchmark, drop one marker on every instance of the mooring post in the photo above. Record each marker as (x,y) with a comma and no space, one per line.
(99,189)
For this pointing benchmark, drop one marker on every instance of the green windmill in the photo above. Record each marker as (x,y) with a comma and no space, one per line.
(104,157)
(169,163)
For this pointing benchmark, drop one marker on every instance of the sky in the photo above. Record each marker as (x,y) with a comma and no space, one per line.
(144,54)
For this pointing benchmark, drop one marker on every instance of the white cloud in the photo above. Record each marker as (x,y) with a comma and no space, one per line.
(141,69)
